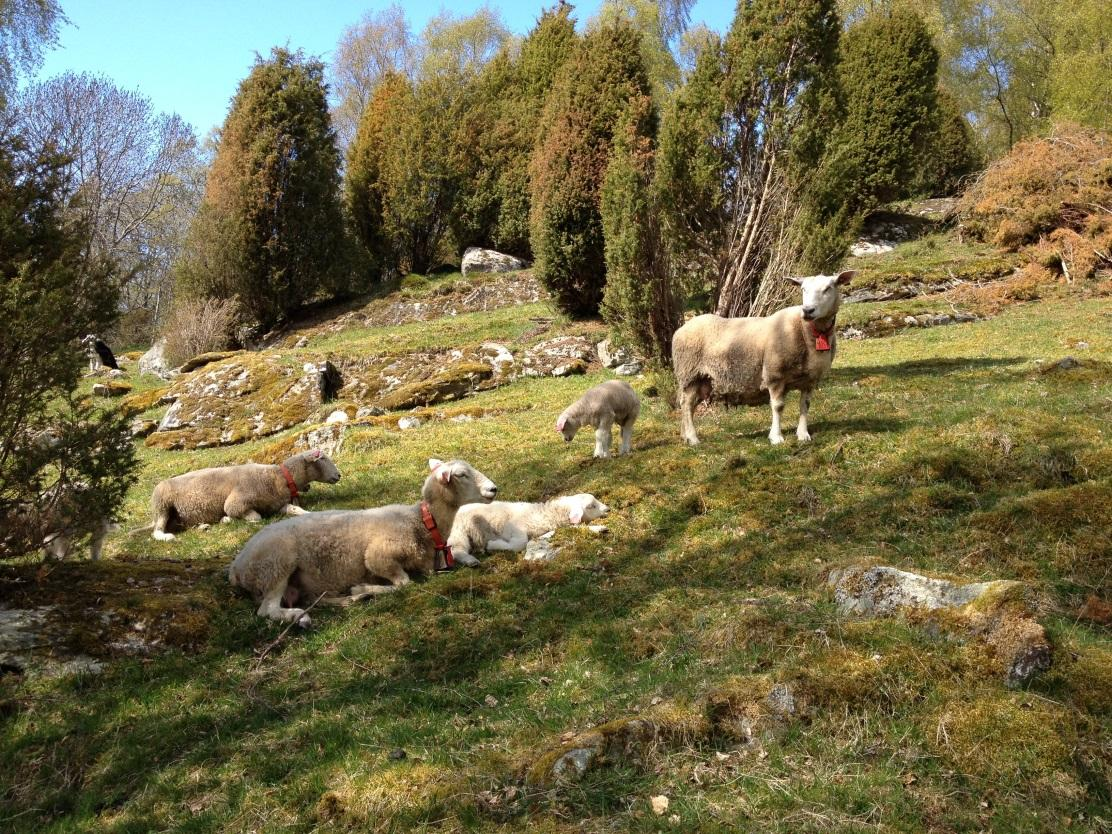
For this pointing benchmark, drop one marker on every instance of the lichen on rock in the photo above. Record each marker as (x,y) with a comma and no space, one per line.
(241,397)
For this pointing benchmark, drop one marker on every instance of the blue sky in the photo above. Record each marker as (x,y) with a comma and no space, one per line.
(188,56)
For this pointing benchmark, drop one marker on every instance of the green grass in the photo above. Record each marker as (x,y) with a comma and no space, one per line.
(944,449)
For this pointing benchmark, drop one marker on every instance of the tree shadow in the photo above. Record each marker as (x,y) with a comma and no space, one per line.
(925,367)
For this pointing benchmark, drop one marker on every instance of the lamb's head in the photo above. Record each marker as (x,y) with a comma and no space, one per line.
(567,426)
(458,483)
(583,507)
(320,467)
(822,294)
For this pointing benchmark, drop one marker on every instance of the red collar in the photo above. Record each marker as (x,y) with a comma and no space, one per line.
(822,340)
(289,482)
(441,546)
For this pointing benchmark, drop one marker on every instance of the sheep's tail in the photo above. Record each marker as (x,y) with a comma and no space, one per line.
(685,360)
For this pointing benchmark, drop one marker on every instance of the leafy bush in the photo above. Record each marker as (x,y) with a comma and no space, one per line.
(197,326)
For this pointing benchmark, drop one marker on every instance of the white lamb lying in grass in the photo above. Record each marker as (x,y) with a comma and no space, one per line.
(508,525)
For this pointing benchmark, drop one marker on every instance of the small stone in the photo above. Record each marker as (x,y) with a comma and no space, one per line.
(203,527)
(408,423)
(396,755)
(628,369)
(142,428)
(569,369)
(369,411)
(546,681)
(911,321)
(598,529)
(659,805)
(540,550)
(337,416)
(940,319)
(1066,364)
(300,343)
(722,757)
(1082,345)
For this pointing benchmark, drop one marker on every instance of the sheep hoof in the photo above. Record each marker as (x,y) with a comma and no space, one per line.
(776,439)
(803,436)
(226,520)
(158,535)
(303,621)
(691,441)
(466,559)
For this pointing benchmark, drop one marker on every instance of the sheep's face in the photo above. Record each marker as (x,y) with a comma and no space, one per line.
(321,467)
(567,427)
(469,485)
(584,507)
(822,294)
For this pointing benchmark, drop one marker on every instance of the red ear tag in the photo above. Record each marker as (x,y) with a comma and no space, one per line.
(821,342)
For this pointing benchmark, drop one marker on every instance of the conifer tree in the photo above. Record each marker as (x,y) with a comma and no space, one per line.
(61,458)
(270,232)
(583,110)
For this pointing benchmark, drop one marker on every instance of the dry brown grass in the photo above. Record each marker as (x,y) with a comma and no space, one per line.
(1050,198)
(199,326)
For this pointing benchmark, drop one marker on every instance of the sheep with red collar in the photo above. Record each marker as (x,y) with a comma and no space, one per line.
(339,557)
(758,359)
(248,491)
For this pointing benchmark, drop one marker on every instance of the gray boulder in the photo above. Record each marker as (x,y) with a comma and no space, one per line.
(154,362)
(487,260)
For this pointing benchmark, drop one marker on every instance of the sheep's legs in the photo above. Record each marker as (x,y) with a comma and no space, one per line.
(160,527)
(687,416)
(602,439)
(513,538)
(801,432)
(293,509)
(272,608)
(97,541)
(776,398)
(627,438)
(358,593)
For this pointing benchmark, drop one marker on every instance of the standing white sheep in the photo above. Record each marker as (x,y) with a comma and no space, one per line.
(610,402)
(508,525)
(248,491)
(751,361)
(340,552)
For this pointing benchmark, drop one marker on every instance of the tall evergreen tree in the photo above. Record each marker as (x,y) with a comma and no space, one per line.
(59,457)
(270,231)
(584,108)
(640,301)
(887,77)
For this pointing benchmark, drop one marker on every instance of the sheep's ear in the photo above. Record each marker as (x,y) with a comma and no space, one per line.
(797,281)
(845,277)
(314,454)
(576,514)
(561,422)
(435,463)
(443,474)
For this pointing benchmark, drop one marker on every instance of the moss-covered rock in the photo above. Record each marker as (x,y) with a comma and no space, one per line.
(141,401)
(452,383)
(242,397)
(203,359)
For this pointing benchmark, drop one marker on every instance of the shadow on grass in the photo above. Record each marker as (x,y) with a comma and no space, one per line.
(924,367)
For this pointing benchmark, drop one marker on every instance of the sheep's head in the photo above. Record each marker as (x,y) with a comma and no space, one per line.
(822,294)
(320,467)
(464,483)
(583,507)
(567,426)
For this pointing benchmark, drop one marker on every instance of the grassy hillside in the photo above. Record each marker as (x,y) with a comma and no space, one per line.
(960,450)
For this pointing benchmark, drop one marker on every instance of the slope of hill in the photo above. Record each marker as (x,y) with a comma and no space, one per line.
(695,654)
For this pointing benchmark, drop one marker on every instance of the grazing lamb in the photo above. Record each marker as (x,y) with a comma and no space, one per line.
(613,401)
(508,525)
(751,361)
(248,491)
(340,552)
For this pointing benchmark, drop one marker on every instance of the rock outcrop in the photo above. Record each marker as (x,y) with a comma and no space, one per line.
(154,362)
(996,614)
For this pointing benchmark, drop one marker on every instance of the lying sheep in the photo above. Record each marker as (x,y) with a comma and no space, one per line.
(751,361)
(248,491)
(508,525)
(339,553)
(613,401)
